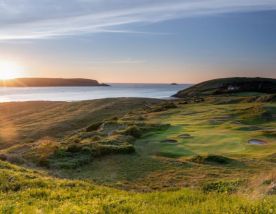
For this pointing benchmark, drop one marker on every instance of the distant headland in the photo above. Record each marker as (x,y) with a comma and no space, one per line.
(49,82)
(230,86)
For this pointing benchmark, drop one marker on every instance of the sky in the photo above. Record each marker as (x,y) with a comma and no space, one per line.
(142,41)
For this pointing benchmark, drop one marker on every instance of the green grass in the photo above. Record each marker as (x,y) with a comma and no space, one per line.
(220,129)
(26,191)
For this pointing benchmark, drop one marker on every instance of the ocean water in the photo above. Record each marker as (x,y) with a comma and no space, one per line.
(161,91)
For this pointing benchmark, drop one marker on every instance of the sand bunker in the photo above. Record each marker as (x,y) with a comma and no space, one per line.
(256,142)
(185,136)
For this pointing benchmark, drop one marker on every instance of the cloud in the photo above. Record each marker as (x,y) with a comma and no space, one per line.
(32,19)
(108,61)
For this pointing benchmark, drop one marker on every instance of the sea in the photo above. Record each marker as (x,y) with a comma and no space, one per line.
(20,94)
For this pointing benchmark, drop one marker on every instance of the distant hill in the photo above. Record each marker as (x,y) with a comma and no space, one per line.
(229,86)
(49,82)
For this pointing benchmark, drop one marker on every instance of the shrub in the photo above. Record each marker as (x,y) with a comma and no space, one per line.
(113,149)
(217,159)
(222,186)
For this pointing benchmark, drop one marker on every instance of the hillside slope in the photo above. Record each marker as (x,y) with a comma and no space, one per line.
(27,191)
(230,86)
(29,121)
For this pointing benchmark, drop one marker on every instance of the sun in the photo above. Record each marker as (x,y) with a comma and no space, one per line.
(10,70)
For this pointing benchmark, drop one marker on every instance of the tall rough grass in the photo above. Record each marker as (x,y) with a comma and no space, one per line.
(26,191)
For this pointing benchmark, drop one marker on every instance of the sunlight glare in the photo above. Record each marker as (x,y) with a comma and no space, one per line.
(10,70)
